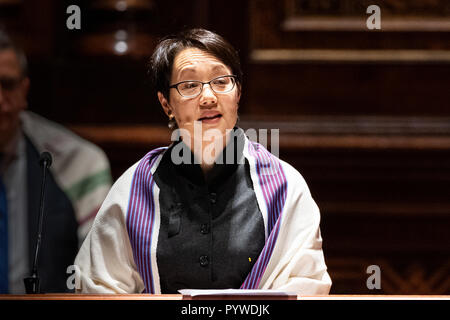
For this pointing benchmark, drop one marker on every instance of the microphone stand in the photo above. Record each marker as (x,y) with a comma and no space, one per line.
(32,283)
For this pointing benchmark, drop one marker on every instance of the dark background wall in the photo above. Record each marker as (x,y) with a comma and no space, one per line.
(363,114)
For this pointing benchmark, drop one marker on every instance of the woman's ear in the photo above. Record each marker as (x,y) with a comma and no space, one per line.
(165,104)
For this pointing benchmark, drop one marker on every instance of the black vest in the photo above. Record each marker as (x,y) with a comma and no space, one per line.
(211,231)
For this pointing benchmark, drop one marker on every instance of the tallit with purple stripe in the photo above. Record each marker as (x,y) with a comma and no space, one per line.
(273,183)
(141,217)
(141,212)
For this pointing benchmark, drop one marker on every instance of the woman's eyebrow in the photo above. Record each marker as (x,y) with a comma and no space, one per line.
(219,66)
(191,69)
(186,70)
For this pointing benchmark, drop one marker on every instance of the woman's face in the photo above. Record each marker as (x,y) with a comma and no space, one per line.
(210,109)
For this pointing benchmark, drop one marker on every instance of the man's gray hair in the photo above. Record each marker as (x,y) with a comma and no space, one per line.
(6,44)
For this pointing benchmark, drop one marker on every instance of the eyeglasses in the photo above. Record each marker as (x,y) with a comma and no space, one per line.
(191,88)
(9,84)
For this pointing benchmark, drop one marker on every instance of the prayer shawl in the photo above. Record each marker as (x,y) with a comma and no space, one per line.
(80,168)
(119,254)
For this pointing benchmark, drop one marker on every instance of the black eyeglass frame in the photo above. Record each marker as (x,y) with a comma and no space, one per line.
(175,86)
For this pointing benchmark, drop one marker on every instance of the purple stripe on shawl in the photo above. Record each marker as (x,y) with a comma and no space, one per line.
(141,215)
(273,183)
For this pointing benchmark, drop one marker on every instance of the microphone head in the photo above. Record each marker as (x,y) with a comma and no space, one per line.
(45,159)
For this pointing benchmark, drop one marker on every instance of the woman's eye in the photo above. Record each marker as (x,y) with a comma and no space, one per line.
(190,85)
(220,82)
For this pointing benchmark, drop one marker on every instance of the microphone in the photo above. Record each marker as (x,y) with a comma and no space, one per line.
(45,159)
(32,283)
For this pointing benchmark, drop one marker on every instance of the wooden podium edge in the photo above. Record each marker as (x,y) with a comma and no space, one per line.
(179,297)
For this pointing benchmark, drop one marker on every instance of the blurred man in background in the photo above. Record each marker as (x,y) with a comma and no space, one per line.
(78,182)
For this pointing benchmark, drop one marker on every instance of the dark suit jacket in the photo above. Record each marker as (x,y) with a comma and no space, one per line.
(59,233)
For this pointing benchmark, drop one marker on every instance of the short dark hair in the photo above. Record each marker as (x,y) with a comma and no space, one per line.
(160,66)
(7,44)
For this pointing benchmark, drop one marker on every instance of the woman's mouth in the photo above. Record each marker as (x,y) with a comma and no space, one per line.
(212,118)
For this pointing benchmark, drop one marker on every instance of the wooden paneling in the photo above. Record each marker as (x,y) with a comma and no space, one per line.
(363,115)
(348,15)
(323,65)
(383,196)
(335,88)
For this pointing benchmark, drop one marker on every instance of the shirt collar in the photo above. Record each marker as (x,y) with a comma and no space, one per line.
(225,165)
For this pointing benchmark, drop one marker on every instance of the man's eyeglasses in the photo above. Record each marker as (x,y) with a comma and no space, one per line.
(192,88)
(8,83)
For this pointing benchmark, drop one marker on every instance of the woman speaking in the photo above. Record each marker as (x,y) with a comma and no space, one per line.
(213,210)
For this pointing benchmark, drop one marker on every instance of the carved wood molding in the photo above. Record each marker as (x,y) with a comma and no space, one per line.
(359,125)
(349,56)
(313,132)
(342,23)
(414,277)
(408,24)
(350,15)
(124,134)
(135,45)
(429,8)
(9,2)
(123,5)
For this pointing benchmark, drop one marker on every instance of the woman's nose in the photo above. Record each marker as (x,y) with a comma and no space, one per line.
(208,96)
